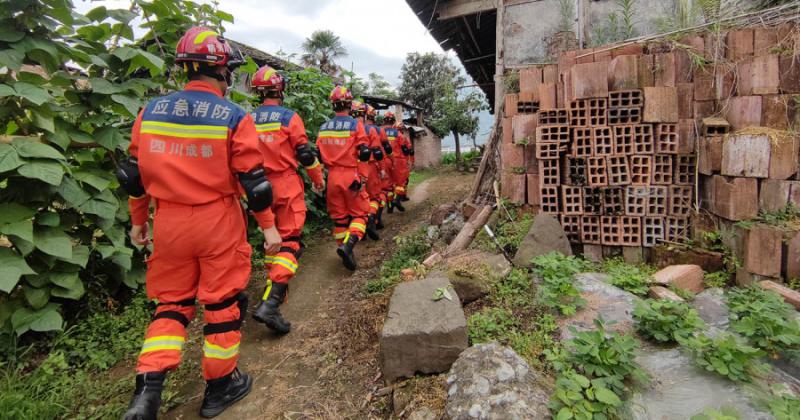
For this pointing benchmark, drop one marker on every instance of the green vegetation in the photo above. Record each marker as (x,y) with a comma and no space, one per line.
(514,319)
(783,404)
(449,158)
(510,227)
(717,279)
(417,177)
(411,251)
(764,319)
(724,413)
(726,355)
(632,278)
(666,321)
(595,369)
(557,290)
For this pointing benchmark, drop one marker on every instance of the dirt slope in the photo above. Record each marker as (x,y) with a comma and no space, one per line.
(327,366)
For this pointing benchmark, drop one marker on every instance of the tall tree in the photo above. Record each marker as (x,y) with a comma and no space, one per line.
(430,81)
(378,86)
(322,49)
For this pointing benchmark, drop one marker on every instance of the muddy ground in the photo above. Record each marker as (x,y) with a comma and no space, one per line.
(327,367)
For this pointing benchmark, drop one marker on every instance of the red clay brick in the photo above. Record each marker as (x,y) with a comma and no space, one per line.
(686,136)
(623,72)
(735,198)
(725,80)
(643,139)
(524,126)
(706,192)
(779,111)
(572,227)
(666,138)
(618,171)
(625,115)
(743,112)
(704,85)
(680,201)
(792,256)
(683,66)
(766,75)
(603,56)
(665,70)
(662,170)
(746,155)
(789,67)
(549,173)
(512,157)
(531,162)
(553,133)
(602,141)
(591,230)
(740,44)
(529,79)
(763,250)
(510,107)
(661,105)
(652,231)
(588,112)
(613,201)
(744,77)
(658,201)
(695,43)
(548,96)
(597,171)
(704,109)
(534,198)
(790,296)
(566,60)
(775,195)
(646,73)
(641,169)
(584,56)
(623,139)
(573,171)
(686,277)
(508,130)
(709,157)
(630,231)
(714,126)
(636,201)
(513,187)
(627,49)
(528,103)
(582,142)
(571,200)
(549,197)
(589,80)
(765,39)
(783,157)
(685,169)
(550,73)
(610,229)
(685,100)
(549,150)
(592,201)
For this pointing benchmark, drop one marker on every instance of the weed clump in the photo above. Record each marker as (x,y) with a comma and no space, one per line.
(725,355)
(764,319)
(411,251)
(666,321)
(557,290)
(632,278)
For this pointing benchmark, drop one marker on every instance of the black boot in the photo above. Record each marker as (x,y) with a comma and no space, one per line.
(347,253)
(379,219)
(398,202)
(147,396)
(267,311)
(371,231)
(223,392)
(390,205)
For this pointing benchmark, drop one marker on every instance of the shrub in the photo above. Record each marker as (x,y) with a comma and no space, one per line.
(666,321)
(634,279)
(557,290)
(725,355)
(763,317)
(783,404)
(716,279)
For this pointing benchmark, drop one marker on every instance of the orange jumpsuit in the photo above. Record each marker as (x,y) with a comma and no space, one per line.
(387,168)
(280,133)
(400,161)
(338,142)
(373,170)
(190,145)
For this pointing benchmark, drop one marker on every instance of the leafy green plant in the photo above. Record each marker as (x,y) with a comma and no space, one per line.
(666,320)
(411,250)
(793,284)
(510,229)
(578,397)
(557,290)
(725,354)
(724,413)
(717,279)
(783,404)
(634,279)
(491,324)
(764,318)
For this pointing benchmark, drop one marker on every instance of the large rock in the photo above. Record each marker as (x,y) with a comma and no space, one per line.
(471,273)
(545,236)
(420,334)
(687,277)
(679,389)
(602,300)
(489,381)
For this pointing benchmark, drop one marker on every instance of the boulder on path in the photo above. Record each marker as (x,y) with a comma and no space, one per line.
(422,334)
(602,300)
(472,272)
(489,381)
(545,236)
(687,277)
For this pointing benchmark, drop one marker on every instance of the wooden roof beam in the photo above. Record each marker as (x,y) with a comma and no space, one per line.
(457,8)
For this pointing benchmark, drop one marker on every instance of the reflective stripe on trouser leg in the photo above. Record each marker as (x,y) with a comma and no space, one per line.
(222,336)
(400,190)
(165,337)
(382,200)
(340,230)
(374,205)
(282,266)
(358,227)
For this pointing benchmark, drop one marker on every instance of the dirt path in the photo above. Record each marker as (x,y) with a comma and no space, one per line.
(327,365)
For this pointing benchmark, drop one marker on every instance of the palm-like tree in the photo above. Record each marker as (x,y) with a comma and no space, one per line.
(322,49)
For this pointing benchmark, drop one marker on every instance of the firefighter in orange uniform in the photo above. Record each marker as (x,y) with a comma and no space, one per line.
(381,151)
(370,170)
(400,164)
(194,153)
(343,143)
(284,144)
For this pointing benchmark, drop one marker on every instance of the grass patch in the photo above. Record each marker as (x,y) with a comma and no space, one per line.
(632,278)
(72,378)
(449,158)
(764,319)
(411,251)
(509,233)
(557,290)
(418,176)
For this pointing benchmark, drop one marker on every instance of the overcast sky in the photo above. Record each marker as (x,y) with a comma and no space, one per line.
(376,33)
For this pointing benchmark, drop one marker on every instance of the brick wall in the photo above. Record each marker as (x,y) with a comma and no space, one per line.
(427,150)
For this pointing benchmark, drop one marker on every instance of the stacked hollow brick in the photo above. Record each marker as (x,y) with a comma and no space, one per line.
(616,141)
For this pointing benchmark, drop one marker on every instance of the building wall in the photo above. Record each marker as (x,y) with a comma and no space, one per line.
(528,25)
(427,150)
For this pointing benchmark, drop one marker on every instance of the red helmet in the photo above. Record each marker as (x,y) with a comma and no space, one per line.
(388,118)
(341,94)
(371,112)
(267,79)
(203,45)
(358,109)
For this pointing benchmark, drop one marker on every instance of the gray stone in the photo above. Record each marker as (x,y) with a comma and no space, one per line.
(679,389)
(710,305)
(545,236)
(489,381)
(602,299)
(420,334)
(450,228)
(471,273)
